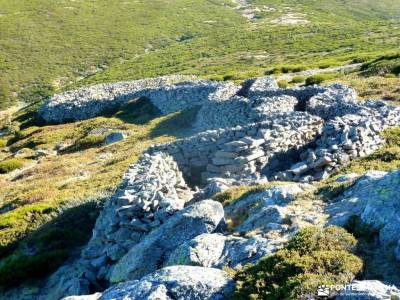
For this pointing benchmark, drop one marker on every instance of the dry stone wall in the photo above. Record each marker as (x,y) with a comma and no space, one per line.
(169,94)
(152,191)
(242,151)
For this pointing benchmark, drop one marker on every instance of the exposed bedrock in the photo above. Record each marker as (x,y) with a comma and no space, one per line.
(178,282)
(374,198)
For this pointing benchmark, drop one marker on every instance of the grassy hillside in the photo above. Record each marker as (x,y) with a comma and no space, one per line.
(48,45)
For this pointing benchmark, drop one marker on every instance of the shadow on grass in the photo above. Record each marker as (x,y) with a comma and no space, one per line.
(177,124)
(137,111)
(46,249)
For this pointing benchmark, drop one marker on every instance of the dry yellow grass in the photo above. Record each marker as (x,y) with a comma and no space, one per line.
(374,87)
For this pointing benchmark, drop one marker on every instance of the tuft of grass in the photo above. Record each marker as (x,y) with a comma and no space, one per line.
(283,84)
(298,79)
(9,165)
(3,143)
(89,141)
(320,78)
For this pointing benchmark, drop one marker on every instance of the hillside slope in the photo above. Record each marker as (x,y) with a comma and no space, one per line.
(47,45)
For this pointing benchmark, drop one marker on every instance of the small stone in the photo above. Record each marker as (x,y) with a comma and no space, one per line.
(114,137)
(299,168)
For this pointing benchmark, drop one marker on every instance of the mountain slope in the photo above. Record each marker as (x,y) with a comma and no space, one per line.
(47,45)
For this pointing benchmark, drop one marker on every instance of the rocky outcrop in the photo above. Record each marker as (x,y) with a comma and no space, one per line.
(218,251)
(146,256)
(178,282)
(375,198)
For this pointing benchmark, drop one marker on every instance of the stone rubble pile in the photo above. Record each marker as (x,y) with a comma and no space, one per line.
(244,131)
(153,190)
(342,140)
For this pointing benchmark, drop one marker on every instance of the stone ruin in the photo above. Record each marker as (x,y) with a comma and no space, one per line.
(245,134)
(256,131)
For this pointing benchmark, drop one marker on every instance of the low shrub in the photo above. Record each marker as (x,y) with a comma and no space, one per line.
(9,165)
(298,79)
(324,66)
(229,77)
(283,84)
(319,78)
(89,141)
(286,69)
(384,65)
(3,143)
(312,258)
(293,69)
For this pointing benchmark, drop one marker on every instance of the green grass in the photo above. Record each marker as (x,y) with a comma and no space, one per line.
(67,44)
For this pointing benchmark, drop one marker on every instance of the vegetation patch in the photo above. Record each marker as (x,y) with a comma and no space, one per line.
(320,78)
(283,84)
(9,165)
(287,69)
(51,245)
(384,65)
(18,268)
(3,143)
(314,257)
(90,141)
(298,79)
